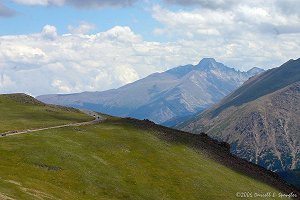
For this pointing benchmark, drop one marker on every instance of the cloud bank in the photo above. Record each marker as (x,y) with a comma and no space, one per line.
(248,33)
(83,28)
(243,34)
(46,62)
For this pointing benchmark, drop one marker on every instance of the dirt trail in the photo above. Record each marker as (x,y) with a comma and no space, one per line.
(98,118)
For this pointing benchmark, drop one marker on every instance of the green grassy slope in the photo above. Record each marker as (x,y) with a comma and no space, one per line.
(113,160)
(16,113)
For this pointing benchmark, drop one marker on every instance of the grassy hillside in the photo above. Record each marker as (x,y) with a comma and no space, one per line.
(113,160)
(116,159)
(20,111)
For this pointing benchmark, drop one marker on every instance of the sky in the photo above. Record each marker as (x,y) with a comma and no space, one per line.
(68,46)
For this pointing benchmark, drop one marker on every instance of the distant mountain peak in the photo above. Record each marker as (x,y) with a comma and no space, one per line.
(255,70)
(206,61)
(161,97)
(208,64)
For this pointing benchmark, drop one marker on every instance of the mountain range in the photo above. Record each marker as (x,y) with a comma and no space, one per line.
(165,98)
(260,120)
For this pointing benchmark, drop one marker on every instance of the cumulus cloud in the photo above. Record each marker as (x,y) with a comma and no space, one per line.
(82,28)
(6,12)
(248,17)
(49,32)
(249,33)
(246,34)
(79,3)
(47,62)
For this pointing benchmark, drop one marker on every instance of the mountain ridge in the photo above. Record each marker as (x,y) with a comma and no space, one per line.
(164,97)
(260,119)
(267,78)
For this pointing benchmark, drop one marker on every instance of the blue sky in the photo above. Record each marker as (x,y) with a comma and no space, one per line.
(64,46)
(31,19)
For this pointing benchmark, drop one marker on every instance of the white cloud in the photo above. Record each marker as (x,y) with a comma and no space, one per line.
(50,63)
(68,63)
(125,73)
(245,35)
(58,84)
(82,28)
(5,82)
(241,19)
(248,34)
(49,32)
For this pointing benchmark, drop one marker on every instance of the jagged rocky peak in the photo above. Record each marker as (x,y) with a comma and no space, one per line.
(208,64)
(207,61)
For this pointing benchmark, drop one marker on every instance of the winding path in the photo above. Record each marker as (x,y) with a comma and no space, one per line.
(98,118)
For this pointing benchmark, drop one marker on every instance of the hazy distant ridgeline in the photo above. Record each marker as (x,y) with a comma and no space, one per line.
(164,98)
